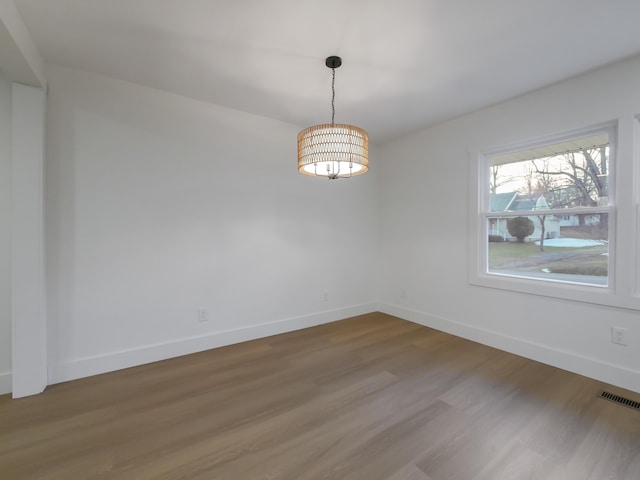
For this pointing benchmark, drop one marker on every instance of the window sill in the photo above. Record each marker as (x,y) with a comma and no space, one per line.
(571,291)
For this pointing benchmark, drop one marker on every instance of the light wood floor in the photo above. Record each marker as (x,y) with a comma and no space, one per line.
(368,398)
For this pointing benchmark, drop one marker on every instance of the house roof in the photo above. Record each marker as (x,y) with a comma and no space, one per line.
(501,201)
(524,202)
(514,201)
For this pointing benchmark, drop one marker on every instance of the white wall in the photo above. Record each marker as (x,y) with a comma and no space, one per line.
(158,205)
(28,311)
(21,192)
(425,229)
(19,57)
(5,235)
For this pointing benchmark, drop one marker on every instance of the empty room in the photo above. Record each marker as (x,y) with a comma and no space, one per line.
(297,240)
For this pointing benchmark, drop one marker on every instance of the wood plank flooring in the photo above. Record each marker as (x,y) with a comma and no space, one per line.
(368,398)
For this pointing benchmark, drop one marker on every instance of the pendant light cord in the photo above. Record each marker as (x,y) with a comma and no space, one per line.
(333,96)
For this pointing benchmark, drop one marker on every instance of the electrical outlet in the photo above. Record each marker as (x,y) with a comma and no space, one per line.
(203,315)
(619,335)
(325,297)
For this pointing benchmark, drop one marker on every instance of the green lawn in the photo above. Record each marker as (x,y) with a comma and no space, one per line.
(528,257)
(503,251)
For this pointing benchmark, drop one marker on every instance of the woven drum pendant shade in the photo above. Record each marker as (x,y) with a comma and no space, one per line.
(333,151)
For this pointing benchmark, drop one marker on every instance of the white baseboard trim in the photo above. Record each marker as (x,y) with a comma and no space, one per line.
(5,383)
(566,360)
(85,367)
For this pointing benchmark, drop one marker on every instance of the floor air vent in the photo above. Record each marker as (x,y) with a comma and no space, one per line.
(612,397)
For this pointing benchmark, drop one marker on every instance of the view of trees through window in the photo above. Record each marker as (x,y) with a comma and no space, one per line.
(548,212)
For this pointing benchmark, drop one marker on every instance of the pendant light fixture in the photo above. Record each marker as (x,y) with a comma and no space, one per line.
(333,150)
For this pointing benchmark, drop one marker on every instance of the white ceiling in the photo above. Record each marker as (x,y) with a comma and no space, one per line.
(407,63)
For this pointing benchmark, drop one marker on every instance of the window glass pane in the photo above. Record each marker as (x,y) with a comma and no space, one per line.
(525,181)
(571,248)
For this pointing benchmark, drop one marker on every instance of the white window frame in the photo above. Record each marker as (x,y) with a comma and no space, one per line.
(636,207)
(612,294)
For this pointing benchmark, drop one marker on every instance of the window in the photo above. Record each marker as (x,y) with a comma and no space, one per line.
(546,216)
(548,211)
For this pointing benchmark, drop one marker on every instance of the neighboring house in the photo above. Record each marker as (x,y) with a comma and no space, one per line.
(525,203)
(574,220)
